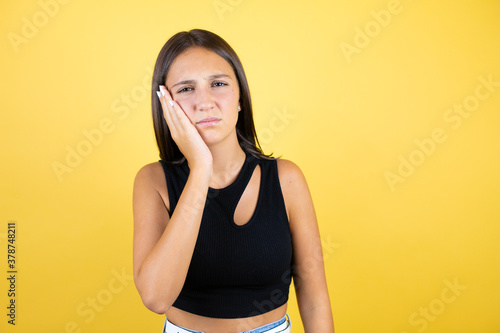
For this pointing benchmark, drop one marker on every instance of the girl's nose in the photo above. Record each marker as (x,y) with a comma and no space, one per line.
(205,100)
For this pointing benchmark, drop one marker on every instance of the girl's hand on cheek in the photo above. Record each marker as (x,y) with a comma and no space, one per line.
(184,133)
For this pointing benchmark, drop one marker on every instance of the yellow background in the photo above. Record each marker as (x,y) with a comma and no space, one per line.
(349,119)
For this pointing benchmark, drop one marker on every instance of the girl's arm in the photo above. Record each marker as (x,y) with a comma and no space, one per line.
(309,272)
(163,246)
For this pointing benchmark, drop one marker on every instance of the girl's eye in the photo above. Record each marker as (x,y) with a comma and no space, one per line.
(184,89)
(219,84)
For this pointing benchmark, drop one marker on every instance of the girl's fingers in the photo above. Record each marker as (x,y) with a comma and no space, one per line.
(168,114)
(177,114)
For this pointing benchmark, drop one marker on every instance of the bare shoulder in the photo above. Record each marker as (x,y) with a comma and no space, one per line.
(150,175)
(150,184)
(290,174)
(294,188)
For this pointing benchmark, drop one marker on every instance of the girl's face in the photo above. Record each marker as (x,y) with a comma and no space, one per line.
(206,88)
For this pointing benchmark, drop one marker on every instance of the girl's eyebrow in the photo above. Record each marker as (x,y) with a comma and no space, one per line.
(218,76)
(211,77)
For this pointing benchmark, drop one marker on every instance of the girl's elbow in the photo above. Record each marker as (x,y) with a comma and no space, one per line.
(155,304)
(152,299)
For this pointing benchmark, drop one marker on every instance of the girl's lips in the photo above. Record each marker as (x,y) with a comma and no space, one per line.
(209,121)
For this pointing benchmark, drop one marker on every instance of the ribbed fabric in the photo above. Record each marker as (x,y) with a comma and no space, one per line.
(237,271)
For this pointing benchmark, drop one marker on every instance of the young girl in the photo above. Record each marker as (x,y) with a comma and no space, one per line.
(220,229)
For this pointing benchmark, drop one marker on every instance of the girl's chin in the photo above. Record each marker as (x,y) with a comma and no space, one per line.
(213,138)
(210,139)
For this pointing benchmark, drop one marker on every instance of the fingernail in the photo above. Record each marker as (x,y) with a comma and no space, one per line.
(158,93)
(162,89)
(171,103)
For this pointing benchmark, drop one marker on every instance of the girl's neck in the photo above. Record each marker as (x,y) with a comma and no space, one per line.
(227,162)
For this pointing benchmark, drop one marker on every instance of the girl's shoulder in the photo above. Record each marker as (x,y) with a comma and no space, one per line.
(151,172)
(150,182)
(292,180)
(289,172)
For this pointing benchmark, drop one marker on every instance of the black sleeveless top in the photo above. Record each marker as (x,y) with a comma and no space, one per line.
(237,271)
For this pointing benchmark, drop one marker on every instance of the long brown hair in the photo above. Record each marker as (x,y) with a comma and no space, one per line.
(180,42)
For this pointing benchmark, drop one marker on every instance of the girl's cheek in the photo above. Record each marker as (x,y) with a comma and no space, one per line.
(183,101)
(185,106)
(223,92)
